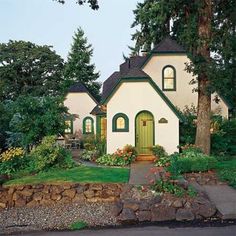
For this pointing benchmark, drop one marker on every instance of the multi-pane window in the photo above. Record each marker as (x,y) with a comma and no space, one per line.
(88,125)
(120,123)
(69,127)
(169,78)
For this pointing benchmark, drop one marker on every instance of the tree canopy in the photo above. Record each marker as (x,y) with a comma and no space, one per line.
(26,68)
(92,3)
(79,66)
(32,89)
(206,29)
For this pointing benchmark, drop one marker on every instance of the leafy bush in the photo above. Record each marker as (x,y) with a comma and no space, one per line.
(121,157)
(89,155)
(188,127)
(159,151)
(49,155)
(163,161)
(12,161)
(91,142)
(107,160)
(223,138)
(196,164)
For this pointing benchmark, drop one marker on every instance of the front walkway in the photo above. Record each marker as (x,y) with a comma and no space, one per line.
(141,172)
(224,198)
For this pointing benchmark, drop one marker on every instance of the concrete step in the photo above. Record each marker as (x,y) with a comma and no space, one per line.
(145,158)
(224,198)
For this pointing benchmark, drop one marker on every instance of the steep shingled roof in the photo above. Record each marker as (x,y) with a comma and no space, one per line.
(110,83)
(132,62)
(78,87)
(168,45)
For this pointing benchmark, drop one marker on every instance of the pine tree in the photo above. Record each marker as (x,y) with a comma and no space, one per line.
(203,27)
(79,66)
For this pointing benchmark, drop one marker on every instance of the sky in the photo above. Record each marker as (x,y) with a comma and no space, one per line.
(46,22)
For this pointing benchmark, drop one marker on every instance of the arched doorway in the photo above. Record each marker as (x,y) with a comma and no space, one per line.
(144,132)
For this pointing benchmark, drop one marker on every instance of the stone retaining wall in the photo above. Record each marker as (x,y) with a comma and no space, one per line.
(128,203)
(32,195)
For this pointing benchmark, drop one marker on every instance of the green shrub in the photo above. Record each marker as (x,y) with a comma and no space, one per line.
(223,138)
(89,155)
(159,151)
(188,127)
(78,225)
(12,160)
(49,155)
(197,162)
(107,160)
(163,161)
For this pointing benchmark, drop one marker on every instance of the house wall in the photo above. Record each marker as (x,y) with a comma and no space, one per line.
(131,98)
(80,104)
(184,94)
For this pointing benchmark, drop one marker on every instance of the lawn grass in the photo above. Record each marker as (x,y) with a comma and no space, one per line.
(81,174)
(226,171)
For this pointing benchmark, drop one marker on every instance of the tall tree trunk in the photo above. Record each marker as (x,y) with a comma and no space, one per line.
(203,135)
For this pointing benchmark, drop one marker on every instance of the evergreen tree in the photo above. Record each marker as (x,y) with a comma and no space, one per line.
(203,27)
(93,4)
(79,67)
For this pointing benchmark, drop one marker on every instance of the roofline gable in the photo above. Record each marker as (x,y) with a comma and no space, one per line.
(153,84)
(88,93)
(151,54)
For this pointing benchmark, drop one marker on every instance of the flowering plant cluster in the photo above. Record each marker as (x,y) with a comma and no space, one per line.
(11,160)
(122,157)
(11,153)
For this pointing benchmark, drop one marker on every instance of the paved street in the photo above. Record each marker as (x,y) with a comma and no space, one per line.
(149,231)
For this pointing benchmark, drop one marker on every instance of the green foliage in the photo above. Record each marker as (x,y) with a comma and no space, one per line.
(226,170)
(159,151)
(223,139)
(191,162)
(29,69)
(30,89)
(35,117)
(188,127)
(48,155)
(78,225)
(79,67)
(92,3)
(89,155)
(12,161)
(166,186)
(163,161)
(121,157)
(94,146)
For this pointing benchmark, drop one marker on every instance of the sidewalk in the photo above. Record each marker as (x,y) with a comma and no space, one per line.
(224,198)
(140,172)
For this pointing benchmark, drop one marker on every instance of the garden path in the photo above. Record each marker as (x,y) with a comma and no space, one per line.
(224,198)
(141,173)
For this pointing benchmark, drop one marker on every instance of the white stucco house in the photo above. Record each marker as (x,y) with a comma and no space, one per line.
(140,102)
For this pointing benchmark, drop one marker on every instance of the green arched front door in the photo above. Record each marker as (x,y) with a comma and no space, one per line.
(144,136)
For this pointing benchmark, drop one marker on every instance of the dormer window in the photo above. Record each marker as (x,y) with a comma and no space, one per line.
(168,78)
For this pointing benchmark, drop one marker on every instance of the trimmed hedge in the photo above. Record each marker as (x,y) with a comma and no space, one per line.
(195,164)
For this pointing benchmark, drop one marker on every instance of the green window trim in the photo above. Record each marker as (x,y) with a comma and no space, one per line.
(84,125)
(163,78)
(70,127)
(114,126)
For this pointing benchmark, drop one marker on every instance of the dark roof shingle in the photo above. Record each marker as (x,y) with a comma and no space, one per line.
(78,87)
(168,45)
(109,84)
